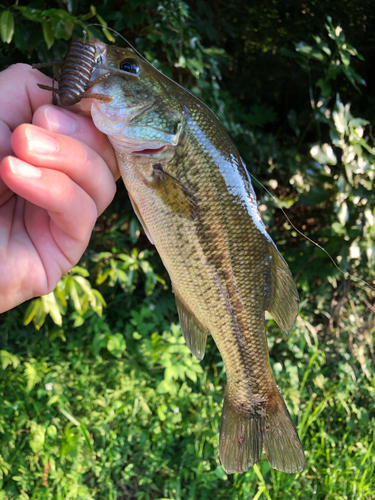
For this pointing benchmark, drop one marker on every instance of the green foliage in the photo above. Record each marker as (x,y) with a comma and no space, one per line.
(100,414)
(100,397)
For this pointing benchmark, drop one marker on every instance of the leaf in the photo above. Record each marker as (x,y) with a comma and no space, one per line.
(6,26)
(293,121)
(161,412)
(309,51)
(354,251)
(100,340)
(338,229)
(8,359)
(52,431)
(84,284)
(108,35)
(134,230)
(31,375)
(260,115)
(106,31)
(38,433)
(60,296)
(48,34)
(343,214)
(51,307)
(323,154)
(116,345)
(30,311)
(53,399)
(102,277)
(74,296)
(70,417)
(325,87)
(345,57)
(86,435)
(40,315)
(81,271)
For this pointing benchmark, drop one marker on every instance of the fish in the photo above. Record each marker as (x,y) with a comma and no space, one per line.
(192,193)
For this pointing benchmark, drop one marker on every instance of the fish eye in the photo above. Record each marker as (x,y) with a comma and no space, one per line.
(129,66)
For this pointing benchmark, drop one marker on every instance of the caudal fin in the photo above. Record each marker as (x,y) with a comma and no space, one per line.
(244,437)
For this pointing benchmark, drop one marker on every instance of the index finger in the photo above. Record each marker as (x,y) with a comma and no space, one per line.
(20,95)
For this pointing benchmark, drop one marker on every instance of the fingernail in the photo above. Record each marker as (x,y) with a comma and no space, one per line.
(60,122)
(23,169)
(40,142)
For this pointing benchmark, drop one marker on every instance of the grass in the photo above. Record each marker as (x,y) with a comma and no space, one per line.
(118,408)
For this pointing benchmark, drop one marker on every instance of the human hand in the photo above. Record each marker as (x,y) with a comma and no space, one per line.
(56,176)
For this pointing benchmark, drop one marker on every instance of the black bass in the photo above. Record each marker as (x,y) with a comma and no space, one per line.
(192,194)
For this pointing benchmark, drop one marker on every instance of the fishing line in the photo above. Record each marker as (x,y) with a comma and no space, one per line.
(345,274)
(119,34)
(144,59)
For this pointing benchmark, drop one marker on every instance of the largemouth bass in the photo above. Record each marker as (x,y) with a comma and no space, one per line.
(191,191)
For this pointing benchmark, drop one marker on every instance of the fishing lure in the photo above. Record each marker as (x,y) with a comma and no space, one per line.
(74,77)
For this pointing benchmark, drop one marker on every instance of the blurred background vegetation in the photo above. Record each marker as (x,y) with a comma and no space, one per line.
(100,398)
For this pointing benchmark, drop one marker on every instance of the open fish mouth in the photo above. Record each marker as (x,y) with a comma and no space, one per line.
(152,152)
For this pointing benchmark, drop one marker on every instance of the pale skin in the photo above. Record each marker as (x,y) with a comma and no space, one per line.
(57,175)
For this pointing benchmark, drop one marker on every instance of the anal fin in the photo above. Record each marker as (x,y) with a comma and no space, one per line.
(195,334)
(243,437)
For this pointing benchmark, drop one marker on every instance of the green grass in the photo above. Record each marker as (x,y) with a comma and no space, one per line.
(118,408)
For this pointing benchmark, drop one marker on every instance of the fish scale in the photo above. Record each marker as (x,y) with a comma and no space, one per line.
(192,194)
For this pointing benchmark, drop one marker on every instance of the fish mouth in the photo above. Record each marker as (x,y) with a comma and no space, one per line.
(151,151)
(133,140)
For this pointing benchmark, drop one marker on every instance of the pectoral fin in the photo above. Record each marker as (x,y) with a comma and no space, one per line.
(282,300)
(172,193)
(195,334)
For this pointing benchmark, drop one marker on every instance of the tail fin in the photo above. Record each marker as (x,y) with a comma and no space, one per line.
(244,437)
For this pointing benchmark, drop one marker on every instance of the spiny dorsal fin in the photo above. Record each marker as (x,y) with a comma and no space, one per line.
(282,301)
(172,192)
(195,334)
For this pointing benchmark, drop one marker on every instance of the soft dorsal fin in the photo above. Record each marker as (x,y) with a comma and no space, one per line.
(282,301)
(172,192)
(195,334)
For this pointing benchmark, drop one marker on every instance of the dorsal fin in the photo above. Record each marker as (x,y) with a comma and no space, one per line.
(282,301)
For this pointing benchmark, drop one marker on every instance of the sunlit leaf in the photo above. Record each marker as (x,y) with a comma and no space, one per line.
(48,34)
(116,345)
(6,26)
(8,359)
(30,311)
(31,374)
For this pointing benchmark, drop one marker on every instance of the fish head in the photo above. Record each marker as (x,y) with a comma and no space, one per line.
(143,118)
